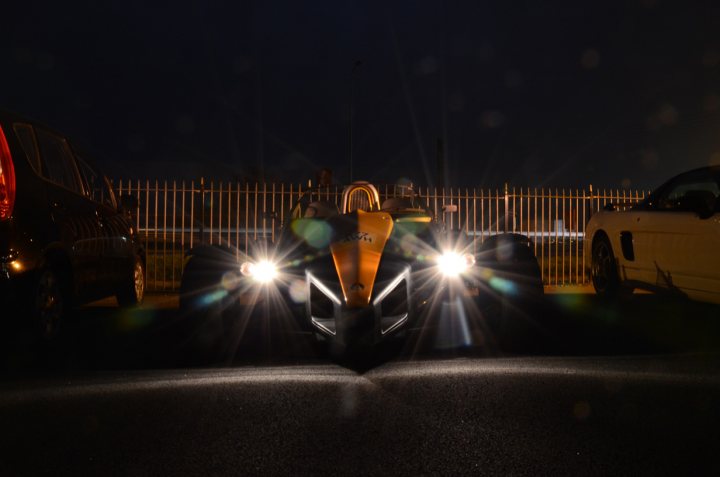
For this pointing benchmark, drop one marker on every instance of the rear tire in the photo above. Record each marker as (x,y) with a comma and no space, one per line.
(512,301)
(205,299)
(50,301)
(132,291)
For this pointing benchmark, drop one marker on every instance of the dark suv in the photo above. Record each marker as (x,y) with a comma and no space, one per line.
(64,239)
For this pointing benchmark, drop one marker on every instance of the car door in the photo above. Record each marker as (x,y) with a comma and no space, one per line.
(119,252)
(76,222)
(686,251)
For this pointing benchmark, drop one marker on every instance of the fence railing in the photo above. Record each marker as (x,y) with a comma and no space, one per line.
(174,216)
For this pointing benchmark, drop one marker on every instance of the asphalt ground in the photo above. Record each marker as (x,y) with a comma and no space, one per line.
(624,388)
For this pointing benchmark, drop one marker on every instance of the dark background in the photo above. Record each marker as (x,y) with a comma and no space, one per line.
(531,93)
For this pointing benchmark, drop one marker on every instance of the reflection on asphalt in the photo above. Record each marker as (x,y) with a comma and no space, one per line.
(102,337)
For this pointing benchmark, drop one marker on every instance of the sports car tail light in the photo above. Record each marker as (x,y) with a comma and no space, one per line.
(7,179)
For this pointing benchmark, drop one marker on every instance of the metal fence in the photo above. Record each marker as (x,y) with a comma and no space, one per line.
(174,216)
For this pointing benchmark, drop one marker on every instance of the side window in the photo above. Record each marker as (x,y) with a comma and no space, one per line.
(58,164)
(27,139)
(687,190)
(96,185)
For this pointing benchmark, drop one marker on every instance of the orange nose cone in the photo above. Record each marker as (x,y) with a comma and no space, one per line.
(357,256)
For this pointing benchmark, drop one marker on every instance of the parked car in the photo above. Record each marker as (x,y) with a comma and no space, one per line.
(64,239)
(670,241)
(361,274)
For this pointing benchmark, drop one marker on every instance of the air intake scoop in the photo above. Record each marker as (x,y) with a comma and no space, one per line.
(356,254)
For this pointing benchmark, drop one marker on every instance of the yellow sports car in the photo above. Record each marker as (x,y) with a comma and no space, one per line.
(357,273)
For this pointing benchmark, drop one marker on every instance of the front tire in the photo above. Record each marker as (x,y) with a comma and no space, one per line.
(132,291)
(604,272)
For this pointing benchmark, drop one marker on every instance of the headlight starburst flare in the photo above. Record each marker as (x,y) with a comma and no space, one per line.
(263,271)
(453,264)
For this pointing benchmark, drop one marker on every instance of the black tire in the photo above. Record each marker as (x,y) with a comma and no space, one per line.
(512,304)
(132,291)
(50,301)
(604,272)
(204,301)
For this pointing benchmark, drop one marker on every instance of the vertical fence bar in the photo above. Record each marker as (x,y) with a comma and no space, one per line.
(467,212)
(155,235)
(174,231)
(272,211)
(137,215)
(474,216)
(505,225)
(247,216)
(164,235)
(237,219)
(562,237)
(202,210)
(147,221)
(535,221)
(282,204)
(542,233)
(264,210)
(255,212)
(192,212)
(584,237)
(229,214)
(556,222)
(482,215)
(515,200)
(182,217)
(577,236)
(212,210)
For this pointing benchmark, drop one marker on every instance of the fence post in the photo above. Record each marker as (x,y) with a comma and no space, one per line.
(507,208)
(202,210)
(592,206)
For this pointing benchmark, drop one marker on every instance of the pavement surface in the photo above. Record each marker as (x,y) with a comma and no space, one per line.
(623,388)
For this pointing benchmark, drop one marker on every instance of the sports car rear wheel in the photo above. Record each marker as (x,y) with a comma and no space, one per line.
(511,302)
(205,298)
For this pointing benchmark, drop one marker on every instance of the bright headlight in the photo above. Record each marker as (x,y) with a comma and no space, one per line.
(263,271)
(452,264)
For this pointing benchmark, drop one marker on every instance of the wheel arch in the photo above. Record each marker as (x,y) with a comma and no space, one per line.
(59,260)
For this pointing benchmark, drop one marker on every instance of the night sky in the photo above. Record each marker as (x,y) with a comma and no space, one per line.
(532,93)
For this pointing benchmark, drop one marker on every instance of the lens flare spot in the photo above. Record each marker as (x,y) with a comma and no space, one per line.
(212,297)
(503,286)
(316,233)
(297,291)
(230,281)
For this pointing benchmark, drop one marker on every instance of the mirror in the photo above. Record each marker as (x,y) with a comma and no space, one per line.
(128,203)
(702,202)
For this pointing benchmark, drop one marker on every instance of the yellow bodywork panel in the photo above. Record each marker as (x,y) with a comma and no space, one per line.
(357,256)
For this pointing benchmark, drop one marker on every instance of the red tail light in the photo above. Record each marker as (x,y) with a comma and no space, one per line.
(7,179)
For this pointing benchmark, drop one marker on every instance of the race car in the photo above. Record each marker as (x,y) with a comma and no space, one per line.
(361,272)
(668,242)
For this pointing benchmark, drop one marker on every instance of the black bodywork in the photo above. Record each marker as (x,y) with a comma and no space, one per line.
(65,222)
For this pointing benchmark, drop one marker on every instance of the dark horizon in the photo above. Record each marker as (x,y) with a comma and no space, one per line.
(562,95)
